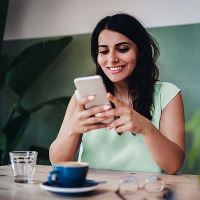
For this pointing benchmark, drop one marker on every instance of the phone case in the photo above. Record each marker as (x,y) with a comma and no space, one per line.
(92,85)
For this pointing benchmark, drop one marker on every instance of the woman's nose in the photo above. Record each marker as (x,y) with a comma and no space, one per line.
(113,58)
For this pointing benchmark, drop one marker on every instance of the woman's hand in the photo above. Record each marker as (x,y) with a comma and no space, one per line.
(127,118)
(83,120)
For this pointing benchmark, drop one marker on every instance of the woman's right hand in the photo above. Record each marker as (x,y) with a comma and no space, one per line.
(83,120)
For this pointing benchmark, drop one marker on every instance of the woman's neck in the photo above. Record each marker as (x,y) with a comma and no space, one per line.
(121,91)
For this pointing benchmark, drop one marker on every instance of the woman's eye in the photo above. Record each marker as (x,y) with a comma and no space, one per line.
(123,50)
(103,52)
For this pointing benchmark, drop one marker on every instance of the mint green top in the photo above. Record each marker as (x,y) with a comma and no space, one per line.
(105,149)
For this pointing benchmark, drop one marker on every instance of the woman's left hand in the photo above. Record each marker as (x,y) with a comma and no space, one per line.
(127,118)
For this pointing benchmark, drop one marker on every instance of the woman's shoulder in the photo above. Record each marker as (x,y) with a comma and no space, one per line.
(162,85)
(163,88)
(165,92)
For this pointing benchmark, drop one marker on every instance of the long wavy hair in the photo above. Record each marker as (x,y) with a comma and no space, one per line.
(143,78)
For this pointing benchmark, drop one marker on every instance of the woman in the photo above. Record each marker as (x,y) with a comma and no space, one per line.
(125,56)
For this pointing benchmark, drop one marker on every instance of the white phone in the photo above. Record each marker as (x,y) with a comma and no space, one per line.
(92,85)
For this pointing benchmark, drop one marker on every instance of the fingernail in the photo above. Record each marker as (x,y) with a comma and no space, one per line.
(98,115)
(91,97)
(106,107)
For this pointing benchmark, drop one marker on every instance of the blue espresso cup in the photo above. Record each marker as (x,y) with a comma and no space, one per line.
(68,174)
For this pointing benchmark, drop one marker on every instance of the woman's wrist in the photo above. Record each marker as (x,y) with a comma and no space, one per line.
(67,134)
(149,128)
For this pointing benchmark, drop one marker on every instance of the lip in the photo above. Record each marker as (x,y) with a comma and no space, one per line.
(116,69)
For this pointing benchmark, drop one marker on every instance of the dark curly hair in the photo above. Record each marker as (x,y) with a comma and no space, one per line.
(142,80)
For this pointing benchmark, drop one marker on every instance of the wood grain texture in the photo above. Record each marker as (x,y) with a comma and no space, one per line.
(182,187)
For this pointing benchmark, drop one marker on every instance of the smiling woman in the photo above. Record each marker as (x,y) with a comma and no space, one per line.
(125,55)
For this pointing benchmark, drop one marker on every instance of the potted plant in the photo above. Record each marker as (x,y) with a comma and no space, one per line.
(19,76)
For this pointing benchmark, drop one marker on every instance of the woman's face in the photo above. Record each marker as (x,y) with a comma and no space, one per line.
(117,55)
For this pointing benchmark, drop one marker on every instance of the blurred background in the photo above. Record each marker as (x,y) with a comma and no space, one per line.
(45,44)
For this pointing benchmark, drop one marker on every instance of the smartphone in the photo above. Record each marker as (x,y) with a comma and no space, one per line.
(92,85)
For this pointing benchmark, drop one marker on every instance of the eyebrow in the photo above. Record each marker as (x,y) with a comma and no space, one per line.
(118,44)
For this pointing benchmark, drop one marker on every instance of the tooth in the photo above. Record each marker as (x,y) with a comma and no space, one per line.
(115,68)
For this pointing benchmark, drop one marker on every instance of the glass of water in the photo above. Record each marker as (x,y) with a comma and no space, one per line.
(23,165)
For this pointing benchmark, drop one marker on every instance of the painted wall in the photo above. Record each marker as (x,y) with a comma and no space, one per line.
(46,18)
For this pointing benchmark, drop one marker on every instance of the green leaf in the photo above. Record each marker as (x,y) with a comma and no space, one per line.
(32,62)
(14,130)
(193,127)
(19,108)
(3,141)
(52,102)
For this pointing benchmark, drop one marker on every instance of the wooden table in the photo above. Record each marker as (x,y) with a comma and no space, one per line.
(183,187)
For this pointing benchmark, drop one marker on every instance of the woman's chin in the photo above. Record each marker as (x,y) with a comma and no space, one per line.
(117,79)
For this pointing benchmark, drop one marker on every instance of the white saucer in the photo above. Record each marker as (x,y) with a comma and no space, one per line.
(88,186)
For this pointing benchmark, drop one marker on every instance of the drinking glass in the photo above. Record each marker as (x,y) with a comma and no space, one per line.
(23,165)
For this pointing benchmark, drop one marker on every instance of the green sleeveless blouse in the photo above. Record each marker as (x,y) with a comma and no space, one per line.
(105,149)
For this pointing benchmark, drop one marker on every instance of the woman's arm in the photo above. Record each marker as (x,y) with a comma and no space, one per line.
(167,145)
(77,121)
(64,147)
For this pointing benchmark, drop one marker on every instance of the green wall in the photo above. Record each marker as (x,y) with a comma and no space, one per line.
(179,62)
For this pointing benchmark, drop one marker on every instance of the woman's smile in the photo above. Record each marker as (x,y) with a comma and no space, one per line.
(116,69)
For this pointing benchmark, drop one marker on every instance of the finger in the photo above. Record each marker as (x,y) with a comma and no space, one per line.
(114,100)
(93,111)
(122,128)
(94,120)
(84,101)
(112,113)
(93,127)
(116,123)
